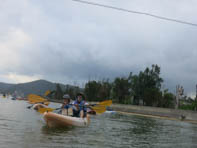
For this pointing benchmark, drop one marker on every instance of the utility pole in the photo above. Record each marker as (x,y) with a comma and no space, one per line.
(179,93)
(196,93)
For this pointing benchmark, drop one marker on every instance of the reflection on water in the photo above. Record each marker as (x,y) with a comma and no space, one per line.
(56,131)
(24,128)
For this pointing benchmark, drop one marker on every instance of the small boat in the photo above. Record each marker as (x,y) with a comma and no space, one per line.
(13,98)
(21,99)
(58,120)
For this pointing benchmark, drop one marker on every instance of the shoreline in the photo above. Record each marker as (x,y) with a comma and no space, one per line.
(156,112)
(158,117)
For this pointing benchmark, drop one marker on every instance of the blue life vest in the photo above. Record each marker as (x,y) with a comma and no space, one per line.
(76,113)
(81,105)
(67,106)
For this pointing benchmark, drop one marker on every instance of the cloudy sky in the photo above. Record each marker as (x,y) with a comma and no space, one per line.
(70,42)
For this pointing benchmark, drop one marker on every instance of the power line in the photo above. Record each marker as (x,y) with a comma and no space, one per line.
(137,12)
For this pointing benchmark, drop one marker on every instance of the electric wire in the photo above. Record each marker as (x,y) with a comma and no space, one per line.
(137,12)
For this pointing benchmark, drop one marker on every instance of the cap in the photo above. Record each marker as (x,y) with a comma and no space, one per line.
(80,94)
(66,96)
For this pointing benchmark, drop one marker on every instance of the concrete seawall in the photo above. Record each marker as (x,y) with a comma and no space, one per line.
(156,111)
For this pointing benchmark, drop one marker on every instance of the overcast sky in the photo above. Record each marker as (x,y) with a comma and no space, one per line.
(70,42)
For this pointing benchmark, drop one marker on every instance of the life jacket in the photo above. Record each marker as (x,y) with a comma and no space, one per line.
(81,105)
(76,112)
(67,106)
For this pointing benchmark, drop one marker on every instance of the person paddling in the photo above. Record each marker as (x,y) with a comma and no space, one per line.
(66,105)
(79,109)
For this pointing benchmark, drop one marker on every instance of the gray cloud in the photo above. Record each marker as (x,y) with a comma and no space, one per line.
(65,41)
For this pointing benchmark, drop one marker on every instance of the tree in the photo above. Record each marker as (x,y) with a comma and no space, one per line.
(146,85)
(105,90)
(58,93)
(135,88)
(71,91)
(152,96)
(91,90)
(121,88)
(167,100)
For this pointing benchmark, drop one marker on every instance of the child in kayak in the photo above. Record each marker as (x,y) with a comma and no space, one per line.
(79,109)
(66,105)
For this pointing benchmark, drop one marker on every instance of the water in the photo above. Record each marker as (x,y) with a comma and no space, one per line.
(24,128)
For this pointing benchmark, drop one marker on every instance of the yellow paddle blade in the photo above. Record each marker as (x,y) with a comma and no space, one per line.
(32,98)
(46,103)
(99,109)
(105,103)
(42,110)
(32,102)
(35,98)
(47,92)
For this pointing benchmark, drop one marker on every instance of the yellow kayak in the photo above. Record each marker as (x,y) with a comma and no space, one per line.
(58,120)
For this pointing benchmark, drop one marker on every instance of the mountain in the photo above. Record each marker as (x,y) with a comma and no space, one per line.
(36,87)
(4,86)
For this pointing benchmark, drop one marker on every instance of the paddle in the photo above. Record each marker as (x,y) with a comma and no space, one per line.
(101,106)
(45,103)
(98,108)
(32,98)
(106,102)
(42,110)
(103,103)
(29,107)
(35,98)
(47,93)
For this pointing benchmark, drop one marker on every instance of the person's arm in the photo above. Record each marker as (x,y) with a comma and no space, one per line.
(81,114)
(63,104)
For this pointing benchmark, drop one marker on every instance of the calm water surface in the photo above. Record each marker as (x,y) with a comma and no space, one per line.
(24,128)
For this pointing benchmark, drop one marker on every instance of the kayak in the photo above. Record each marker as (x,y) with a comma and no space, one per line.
(38,106)
(21,99)
(13,98)
(58,120)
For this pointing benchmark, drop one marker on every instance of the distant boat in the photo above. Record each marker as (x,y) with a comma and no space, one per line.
(20,98)
(13,98)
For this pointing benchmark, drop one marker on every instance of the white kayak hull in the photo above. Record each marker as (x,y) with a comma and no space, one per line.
(58,120)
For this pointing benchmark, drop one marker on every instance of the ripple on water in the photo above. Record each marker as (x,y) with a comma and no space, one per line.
(23,128)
